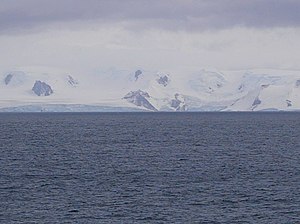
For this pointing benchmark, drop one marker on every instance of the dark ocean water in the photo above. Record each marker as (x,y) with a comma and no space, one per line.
(150,168)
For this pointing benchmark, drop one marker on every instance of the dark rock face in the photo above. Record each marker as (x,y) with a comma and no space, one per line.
(137,74)
(163,80)
(178,103)
(139,98)
(175,103)
(8,79)
(72,81)
(42,89)
(241,88)
(256,102)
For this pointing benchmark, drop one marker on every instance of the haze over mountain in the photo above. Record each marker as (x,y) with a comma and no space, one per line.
(149,55)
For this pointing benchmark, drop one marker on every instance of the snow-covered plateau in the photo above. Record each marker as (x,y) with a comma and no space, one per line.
(46,89)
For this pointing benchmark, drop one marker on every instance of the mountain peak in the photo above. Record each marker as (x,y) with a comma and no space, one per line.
(140,98)
(202,90)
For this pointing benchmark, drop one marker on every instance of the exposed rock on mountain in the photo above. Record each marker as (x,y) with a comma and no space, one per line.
(289,103)
(137,74)
(8,79)
(163,80)
(241,88)
(72,81)
(255,103)
(178,103)
(42,89)
(140,99)
(186,90)
(15,78)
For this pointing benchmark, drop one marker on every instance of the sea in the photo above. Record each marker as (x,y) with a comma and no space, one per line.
(230,167)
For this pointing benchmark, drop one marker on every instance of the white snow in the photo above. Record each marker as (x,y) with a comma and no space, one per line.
(205,89)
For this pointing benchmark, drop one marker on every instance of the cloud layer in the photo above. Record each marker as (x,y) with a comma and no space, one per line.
(87,35)
(166,14)
(89,50)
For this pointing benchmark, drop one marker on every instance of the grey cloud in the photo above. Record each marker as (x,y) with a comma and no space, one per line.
(168,14)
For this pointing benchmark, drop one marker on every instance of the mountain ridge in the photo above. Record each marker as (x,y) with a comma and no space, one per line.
(200,90)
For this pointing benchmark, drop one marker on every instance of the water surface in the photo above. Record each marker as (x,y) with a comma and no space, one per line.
(150,168)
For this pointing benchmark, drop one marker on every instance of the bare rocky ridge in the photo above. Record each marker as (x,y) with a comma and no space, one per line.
(140,99)
(8,79)
(163,80)
(72,81)
(178,103)
(203,90)
(137,74)
(289,103)
(42,89)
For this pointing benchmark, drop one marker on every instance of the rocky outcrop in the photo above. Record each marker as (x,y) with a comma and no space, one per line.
(42,89)
(8,79)
(241,88)
(256,102)
(14,78)
(140,99)
(163,80)
(178,104)
(137,74)
(72,81)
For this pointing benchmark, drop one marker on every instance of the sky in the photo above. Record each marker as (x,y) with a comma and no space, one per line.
(90,35)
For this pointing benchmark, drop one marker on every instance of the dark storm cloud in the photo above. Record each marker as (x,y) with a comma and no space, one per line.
(169,14)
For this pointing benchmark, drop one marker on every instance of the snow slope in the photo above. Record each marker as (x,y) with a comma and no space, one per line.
(124,90)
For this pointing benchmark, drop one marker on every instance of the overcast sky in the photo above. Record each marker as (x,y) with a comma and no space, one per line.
(153,34)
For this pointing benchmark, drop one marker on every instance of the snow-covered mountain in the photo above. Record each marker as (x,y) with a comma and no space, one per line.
(48,89)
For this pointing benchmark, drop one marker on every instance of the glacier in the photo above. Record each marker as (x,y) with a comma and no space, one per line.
(40,89)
